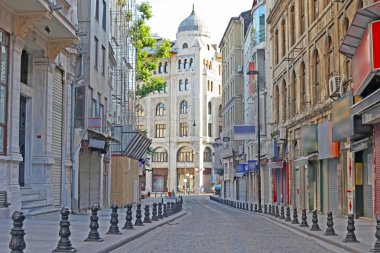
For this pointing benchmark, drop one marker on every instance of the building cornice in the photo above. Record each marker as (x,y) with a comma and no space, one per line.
(277,11)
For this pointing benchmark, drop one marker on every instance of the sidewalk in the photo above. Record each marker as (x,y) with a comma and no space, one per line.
(364,230)
(42,231)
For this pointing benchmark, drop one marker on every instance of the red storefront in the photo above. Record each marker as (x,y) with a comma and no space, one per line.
(362,44)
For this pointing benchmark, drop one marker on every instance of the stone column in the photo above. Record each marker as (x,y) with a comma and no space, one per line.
(172,169)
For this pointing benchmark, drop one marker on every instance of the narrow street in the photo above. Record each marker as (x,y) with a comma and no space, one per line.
(210,227)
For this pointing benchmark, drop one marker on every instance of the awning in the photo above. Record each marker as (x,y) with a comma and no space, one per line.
(357,28)
(303,160)
(133,143)
(276,165)
(98,140)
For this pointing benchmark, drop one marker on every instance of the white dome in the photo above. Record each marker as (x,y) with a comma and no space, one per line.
(192,24)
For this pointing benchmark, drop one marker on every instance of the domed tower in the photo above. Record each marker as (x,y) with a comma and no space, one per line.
(192,26)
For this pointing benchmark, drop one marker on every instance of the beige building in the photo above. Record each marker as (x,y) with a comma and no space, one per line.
(184,119)
(304,38)
(231,47)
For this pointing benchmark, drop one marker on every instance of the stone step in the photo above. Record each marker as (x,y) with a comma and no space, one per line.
(30,196)
(33,203)
(42,210)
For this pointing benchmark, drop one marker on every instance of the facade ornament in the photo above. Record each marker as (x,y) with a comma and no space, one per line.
(56,46)
(25,21)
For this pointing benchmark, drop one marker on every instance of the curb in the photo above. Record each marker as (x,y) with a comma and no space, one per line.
(287,226)
(133,237)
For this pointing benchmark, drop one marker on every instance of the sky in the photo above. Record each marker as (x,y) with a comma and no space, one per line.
(168,14)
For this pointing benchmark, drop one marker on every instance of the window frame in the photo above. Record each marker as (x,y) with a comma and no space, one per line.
(160,109)
(104,17)
(160,131)
(183,107)
(96,53)
(4,125)
(183,129)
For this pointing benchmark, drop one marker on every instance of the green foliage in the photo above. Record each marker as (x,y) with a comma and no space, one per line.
(148,52)
(122,3)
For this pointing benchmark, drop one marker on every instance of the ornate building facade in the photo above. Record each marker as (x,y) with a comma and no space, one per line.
(183,120)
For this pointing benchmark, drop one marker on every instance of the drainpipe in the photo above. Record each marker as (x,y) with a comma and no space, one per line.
(74,152)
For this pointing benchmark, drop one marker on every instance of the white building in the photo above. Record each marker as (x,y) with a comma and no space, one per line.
(37,78)
(184,119)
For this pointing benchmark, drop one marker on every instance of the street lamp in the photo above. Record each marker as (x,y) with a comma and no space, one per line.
(252,72)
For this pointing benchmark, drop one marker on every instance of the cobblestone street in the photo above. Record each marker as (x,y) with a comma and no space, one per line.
(210,227)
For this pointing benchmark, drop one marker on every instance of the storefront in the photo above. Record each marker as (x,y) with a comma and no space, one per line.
(185,180)
(241,182)
(362,44)
(160,179)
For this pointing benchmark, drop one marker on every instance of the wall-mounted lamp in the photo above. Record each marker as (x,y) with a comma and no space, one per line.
(47,29)
(55,6)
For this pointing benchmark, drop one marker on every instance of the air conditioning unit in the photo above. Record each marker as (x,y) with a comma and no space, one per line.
(336,86)
(240,69)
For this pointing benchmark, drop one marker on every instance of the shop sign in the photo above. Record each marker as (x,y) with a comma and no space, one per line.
(327,148)
(359,145)
(309,140)
(366,60)
(341,118)
(241,168)
(252,165)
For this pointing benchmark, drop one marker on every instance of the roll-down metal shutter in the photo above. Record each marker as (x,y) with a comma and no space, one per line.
(242,189)
(333,186)
(376,152)
(367,180)
(318,182)
(57,129)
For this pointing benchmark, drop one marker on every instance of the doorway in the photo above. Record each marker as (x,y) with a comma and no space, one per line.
(22,142)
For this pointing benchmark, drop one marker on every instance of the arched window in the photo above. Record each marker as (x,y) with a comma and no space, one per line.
(292,26)
(179,64)
(302,19)
(184,46)
(294,93)
(277,104)
(316,86)
(330,60)
(160,67)
(185,64)
(160,155)
(160,109)
(180,85)
(212,85)
(276,47)
(207,155)
(186,84)
(209,108)
(191,62)
(283,37)
(210,66)
(183,107)
(303,98)
(139,110)
(166,67)
(185,154)
(284,101)
(220,110)
(208,47)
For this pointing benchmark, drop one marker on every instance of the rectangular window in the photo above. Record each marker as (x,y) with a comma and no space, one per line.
(220,131)
(160,130)
(316,9)
(140,127)
(103,60)
(209,130)
(302,3)
(4,40)
(101,115)
(96,53)
(104,23)
(97,10)
(183,129)
(24,67)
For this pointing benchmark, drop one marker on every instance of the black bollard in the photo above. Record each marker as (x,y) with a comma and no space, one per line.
(246,207)
(64,244)
(172,211)
(94,236)
(304,219)
(295,217)
(160,216)
(315,226)
(138,221)
(350,237)
(265,209)
(277,212)
(128,218)
(288,214)
(251,207)
(147,215)
(270,210)
(165,211)
(260,209)
(17,243)
(330,225)
(282,217)
(154,212)
(255,207)
(376,248)
(114,228)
